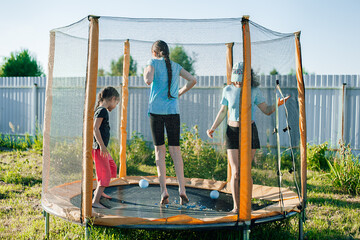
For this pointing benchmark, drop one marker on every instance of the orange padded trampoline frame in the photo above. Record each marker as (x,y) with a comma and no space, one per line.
(244,218)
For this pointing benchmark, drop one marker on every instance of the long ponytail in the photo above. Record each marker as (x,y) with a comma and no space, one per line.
(162,50)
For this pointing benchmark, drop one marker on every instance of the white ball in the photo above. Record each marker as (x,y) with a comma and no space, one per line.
(214,194)
(143,183)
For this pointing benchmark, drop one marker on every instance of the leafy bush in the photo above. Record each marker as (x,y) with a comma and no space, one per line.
(345,171)
(316,157)
(266,159)
(114,150)
(37,142)
(23,143)
(16,142)
(201,160)
(138,152)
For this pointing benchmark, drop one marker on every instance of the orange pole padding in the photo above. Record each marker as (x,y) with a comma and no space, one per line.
(47,113)
(124,103)
(302,117)
(245,129)
(229,65)
(90,99)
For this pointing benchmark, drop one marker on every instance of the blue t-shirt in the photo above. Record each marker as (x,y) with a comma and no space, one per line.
(159,103)
(231,96)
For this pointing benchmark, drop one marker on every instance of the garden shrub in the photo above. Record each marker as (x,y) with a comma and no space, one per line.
(316,157)
(345,171)
(201,160)
(138,151)
(16,142)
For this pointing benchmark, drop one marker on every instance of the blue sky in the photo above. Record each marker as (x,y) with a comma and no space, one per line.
(330,30)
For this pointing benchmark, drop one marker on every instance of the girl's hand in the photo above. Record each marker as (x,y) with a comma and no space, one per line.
(283,100)
(103,151)
(210,132)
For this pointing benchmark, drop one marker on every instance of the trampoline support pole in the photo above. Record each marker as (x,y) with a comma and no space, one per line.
(87,229)
(46,216)
(246,230)
(301,227)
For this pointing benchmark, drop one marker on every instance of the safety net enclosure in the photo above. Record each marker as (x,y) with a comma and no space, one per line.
(81,51)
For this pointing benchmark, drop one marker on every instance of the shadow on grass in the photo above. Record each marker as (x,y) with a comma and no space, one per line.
(333,202)
(25,181)
(269,231)
(319,189)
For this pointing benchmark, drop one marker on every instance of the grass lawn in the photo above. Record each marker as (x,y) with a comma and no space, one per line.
(330,215)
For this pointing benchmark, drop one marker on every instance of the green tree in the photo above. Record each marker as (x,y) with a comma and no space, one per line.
(274,72)
(21,64)
(117,67)
(293,72)
(101,72)
(178,55)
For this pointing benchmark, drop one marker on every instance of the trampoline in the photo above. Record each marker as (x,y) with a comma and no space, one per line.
(132,204)
(79,51)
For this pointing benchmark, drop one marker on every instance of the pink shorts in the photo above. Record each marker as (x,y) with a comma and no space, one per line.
(105,168)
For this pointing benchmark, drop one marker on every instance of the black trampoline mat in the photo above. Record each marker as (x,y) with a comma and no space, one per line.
(133,201)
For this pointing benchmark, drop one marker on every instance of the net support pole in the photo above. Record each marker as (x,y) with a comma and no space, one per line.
(343,113)
(47,113)
(90,98)
(229,65)
(124,103)
(245,128)
(302,118)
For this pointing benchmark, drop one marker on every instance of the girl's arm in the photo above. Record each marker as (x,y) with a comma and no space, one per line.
(103,150)
(149,74)
(219,118)
(191,81)
(268,110)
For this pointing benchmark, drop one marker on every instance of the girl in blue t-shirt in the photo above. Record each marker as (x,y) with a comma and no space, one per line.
(163,75)
(230,102)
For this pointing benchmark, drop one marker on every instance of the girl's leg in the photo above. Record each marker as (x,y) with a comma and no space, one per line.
(179,170)
(103,177)
(97,194)
(233,156)
(253,151)
(160,152)
(113,171)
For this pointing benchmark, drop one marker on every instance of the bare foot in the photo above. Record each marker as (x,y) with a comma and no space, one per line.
(98,205)
(106,196)
(183,199)
(164,200)
(234,210)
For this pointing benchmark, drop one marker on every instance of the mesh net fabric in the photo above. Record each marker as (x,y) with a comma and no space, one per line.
(204,40)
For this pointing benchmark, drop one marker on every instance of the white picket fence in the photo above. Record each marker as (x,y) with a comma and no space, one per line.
(22,105)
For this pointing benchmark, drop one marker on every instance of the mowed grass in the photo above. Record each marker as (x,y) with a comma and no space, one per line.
(330,215)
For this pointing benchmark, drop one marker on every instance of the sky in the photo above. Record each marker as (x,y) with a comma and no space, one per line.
(330,30)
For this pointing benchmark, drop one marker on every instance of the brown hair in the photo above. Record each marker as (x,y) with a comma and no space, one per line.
(161,49)
(106,94)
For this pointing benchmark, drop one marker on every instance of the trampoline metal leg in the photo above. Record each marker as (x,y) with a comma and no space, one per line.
(87,229)
(246,230)
(46,215)
(301,226)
